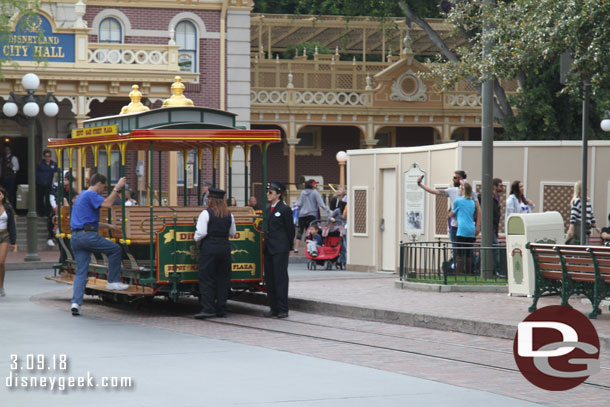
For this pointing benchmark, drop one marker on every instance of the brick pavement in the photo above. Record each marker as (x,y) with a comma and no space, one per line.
(375,298)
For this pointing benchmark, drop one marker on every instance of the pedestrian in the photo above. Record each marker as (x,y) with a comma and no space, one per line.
(605,235)
(497,189)
(463,209)
(337,219)
(517,202)
(309,204)
(278,242)
(233,201)
(53,212)
(9,166)
(573,236)
(45,173)
(8,234)
(84,224)
(253,203)
(315,241)
(453,193)
(339,200)
(205,187)
(129,201)
(214,227)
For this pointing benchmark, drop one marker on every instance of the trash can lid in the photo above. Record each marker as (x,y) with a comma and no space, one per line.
(518,222)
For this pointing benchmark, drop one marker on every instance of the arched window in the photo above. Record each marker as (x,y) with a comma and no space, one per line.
(110,31)
(186,38)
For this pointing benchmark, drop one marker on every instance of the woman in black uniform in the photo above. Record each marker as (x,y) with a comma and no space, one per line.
(214,227)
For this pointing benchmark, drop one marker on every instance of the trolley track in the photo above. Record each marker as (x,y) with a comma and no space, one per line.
(329,338)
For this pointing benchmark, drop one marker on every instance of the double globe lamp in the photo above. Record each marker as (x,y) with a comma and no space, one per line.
(31,109)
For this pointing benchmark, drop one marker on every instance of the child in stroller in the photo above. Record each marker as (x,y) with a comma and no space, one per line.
(314,240)
(328,253)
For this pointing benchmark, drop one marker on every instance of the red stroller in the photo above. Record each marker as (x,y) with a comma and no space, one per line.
(328,253)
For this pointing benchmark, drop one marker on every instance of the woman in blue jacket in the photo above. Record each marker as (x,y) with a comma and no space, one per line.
(464,210)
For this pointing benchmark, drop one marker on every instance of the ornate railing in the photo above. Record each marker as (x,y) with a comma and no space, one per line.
(326,80)
(307,97)
(322,73)
(124,56)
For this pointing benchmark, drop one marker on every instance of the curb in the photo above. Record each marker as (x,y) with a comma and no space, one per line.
(472,327)
(297,260)
(451,288)
(31,265)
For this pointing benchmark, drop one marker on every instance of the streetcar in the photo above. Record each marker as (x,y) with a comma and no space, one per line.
(160,256)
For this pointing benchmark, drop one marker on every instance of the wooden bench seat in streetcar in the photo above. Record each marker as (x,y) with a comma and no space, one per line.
(571,270)
(137,226)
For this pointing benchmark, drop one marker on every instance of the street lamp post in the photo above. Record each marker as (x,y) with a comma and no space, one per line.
(341,159)
(31,109)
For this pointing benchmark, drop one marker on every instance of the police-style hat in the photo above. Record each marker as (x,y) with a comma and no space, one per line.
(216,193)
(278,186)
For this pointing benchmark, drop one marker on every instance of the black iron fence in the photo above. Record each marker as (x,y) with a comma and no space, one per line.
(440,262)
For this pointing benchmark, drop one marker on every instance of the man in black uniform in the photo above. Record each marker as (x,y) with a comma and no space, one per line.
(214,226)
(279,241)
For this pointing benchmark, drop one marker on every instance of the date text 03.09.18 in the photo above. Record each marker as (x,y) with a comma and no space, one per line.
(39,362)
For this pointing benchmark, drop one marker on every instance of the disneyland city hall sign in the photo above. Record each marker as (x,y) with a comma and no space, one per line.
(34,39)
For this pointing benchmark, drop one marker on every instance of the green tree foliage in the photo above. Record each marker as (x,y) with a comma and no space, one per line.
(350,8)
(10,10)
(309,48)
(528,38)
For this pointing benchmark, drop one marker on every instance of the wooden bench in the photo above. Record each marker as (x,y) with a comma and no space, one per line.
(571,270)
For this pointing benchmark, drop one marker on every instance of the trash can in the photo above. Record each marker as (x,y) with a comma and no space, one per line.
(22,196)
(544,227)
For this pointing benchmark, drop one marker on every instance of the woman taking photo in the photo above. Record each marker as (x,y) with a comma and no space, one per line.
(214,227)
(517,202)
(8,234)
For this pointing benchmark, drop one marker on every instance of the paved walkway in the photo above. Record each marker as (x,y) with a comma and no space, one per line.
(172,360)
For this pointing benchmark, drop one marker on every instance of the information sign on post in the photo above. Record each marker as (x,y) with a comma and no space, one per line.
(414,204)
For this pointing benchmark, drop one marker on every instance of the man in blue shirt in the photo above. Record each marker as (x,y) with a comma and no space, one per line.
(84,224)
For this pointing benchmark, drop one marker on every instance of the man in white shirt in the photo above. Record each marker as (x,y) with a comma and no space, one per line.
(453,193)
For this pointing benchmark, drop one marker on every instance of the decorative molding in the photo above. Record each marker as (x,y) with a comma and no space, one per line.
(400,88)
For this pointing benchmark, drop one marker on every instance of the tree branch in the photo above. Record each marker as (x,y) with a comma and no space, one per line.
(501,108)
(433,35)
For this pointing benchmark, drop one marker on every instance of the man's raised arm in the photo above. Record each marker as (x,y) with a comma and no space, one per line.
(428,189)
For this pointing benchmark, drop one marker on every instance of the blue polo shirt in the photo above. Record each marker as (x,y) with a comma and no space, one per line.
(45,173)
(86,209)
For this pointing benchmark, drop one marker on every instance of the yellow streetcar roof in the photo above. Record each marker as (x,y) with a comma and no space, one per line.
(173,139)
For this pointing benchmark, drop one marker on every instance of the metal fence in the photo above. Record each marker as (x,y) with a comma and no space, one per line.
(440,262)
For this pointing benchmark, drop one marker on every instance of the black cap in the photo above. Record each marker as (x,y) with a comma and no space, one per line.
(278,186)
(216,193)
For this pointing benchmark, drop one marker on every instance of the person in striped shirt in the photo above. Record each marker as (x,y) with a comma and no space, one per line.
(576,218)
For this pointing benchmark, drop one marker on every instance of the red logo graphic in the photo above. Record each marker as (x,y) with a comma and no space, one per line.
(556,348)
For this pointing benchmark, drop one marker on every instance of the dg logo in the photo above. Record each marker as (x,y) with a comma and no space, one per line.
(556,348)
